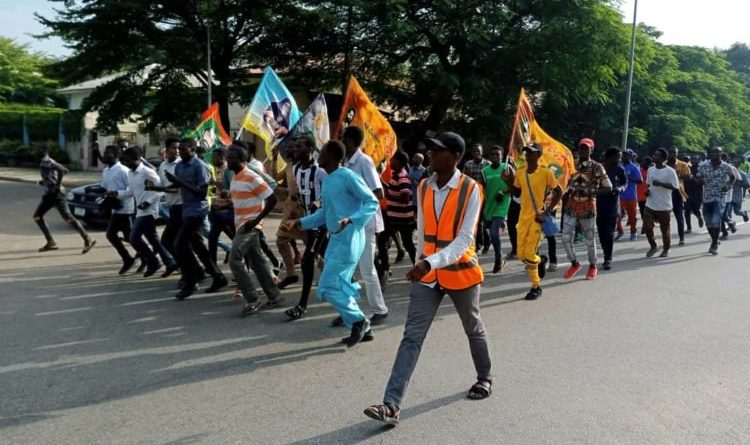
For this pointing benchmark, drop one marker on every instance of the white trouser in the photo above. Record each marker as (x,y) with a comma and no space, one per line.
(370,275)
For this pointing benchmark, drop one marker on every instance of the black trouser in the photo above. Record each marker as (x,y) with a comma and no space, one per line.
(642,208)
(482,234)
(406,231)
(514,211)
(606,224)
(120,223)
(188,244)
(678,208)
(315,244)
(692,207)
(57,200)
(171,230)
(552,249)
(219,224)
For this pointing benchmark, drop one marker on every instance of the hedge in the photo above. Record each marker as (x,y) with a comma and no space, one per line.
(42,123)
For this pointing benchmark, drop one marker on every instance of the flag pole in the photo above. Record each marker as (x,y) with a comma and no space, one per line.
(515,127)
(630,79)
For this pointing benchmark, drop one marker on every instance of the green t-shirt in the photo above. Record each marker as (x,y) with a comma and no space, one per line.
(494,184)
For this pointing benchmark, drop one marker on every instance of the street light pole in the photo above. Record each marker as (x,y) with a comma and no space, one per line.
(208,57)
(630,79)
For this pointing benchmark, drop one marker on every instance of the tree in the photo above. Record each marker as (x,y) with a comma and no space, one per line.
(157,51)
(22,75)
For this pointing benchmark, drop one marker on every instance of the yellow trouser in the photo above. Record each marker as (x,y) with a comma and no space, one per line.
(529,237)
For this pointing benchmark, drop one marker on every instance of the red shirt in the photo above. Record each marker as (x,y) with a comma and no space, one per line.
(643,186)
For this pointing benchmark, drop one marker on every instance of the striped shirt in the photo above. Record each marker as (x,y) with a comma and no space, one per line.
(398,196)
(248,191)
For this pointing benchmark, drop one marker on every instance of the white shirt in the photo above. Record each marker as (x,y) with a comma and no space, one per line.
(660,198)
(362,165)
(115,179)
(465,236)
(137,189)
(170,199)
(257,165)
(737,180)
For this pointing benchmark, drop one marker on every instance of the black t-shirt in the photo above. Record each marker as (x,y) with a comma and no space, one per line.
(607,204)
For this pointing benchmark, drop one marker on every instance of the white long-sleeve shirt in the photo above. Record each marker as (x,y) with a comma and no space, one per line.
(137,189)
(465,236)
(115,179)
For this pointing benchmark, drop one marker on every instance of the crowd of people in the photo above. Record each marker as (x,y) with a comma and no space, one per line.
(342,213)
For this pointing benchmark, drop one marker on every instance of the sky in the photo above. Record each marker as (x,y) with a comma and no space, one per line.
(708,23)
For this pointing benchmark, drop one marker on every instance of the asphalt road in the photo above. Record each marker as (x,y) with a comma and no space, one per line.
(655,351)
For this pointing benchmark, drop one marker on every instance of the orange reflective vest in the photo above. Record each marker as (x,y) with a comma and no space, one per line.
(439,232)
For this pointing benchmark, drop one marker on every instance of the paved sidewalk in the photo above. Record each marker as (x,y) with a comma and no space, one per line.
(73,179)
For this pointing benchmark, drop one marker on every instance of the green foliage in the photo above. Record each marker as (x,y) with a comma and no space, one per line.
(22,75)
(42,123)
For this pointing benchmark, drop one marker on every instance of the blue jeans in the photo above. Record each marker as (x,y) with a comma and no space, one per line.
(145,226)
(713,213)
(497,225)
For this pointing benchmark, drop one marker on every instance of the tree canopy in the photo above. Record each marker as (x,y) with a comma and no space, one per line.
(440,64)
(22,75)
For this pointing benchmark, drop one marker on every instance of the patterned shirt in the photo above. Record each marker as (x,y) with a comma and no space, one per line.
(52,174)
(399,198)
(249,192)
(584,184)
(474,169)
(714,180)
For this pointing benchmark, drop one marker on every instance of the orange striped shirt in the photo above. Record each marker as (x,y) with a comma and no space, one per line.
(249,192)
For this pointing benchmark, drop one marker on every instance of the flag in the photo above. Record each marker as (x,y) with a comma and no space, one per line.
(313,123)
(273,111)
(357,109)
(209,133)
(526,130)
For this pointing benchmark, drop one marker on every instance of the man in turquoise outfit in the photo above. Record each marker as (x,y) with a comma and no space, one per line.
(348,204)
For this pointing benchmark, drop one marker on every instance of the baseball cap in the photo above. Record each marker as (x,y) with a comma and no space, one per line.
(587,142)
(533,147)
(448,141)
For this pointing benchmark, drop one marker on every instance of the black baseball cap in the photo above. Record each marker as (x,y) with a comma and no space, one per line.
(448,141)
(533,147)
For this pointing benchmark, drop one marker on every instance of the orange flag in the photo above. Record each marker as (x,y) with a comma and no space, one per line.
(357,109)
(526,130)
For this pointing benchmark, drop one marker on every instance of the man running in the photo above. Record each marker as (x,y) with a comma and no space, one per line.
(679,196)
(589,181)
(532,184)
(496,202)
(115,180)
(629,196)
(348,205)
(717,178)
(662,181)
(448,209)
(54,196)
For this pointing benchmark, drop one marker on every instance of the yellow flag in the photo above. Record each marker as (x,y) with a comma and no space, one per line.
(555,155)
(357,109)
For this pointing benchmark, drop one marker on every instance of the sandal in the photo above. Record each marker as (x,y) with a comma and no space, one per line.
(480,390)
(296,312)
(48,247)
(387,414)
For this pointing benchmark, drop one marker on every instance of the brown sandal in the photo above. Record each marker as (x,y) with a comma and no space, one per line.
(387,414)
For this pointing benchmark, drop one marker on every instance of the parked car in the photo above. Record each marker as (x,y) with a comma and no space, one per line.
(87,202)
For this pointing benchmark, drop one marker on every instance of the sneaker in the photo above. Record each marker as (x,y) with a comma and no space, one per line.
(288,281)
(533,294)
(664,253)
(151,270)
(681,243)
(592,273)
(688,231)
(359,329)
(607,265)
(552,267)
(724,237)
(485,250)
(510,256)
(745,217)
(652,251)
(714,249)
(733,227)
(499,266)
(172,268)
(633,237)
(126,266)
(141,267)
(542,268)
(217,284)
(90,243)
(377,319)
(250,309)
(47,247)
(186,291)
(619,236)
(572,270)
